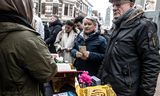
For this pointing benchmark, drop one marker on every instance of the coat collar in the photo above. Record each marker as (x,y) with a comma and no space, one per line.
(129,19)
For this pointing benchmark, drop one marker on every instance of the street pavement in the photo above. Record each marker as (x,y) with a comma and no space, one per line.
(157,93)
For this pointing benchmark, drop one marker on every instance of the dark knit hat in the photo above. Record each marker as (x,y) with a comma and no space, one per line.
(121,1)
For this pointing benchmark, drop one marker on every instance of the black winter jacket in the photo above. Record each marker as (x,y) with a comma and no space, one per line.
(96,45)
(55,27)
(132,62)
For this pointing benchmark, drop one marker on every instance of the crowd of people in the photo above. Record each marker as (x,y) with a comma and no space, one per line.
(127,58)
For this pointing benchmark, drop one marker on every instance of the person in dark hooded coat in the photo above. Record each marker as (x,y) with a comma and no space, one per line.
(55,26)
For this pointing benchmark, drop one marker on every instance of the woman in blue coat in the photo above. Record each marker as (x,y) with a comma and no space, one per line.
(89,47)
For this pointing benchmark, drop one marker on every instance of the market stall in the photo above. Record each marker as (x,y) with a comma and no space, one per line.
(70,82)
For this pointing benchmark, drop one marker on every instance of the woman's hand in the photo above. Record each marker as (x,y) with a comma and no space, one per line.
(86,54)
(78,54)
(83,56)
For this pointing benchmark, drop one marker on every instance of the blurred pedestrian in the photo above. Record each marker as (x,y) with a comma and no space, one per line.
(78,21)
(46,30)
(55,26)
(25,61)
(132,62)
(38,24)
(65,40)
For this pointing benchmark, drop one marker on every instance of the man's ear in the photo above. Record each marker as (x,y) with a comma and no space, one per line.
(131,4)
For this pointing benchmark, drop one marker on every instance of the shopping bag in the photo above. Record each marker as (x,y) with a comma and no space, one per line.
(99,90)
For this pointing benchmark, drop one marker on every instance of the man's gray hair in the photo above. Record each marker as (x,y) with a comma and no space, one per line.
(111,1)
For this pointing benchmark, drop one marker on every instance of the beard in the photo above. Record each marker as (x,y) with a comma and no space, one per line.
(116,15)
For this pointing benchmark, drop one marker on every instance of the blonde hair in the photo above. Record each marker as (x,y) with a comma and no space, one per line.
(92,18)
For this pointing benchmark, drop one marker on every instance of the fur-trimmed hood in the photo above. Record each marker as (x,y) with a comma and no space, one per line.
(128,19)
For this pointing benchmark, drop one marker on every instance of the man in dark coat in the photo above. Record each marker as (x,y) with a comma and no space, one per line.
(55,27)
(132,61)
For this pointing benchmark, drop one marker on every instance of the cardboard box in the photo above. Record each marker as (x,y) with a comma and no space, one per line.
(65,77)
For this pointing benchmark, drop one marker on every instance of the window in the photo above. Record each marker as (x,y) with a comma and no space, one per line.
(74,12)
(66,9)
(70,10)
(49,8)
(55,8)
(43,8)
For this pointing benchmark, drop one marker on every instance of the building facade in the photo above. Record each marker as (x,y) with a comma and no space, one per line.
(108,17)
(65,9)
